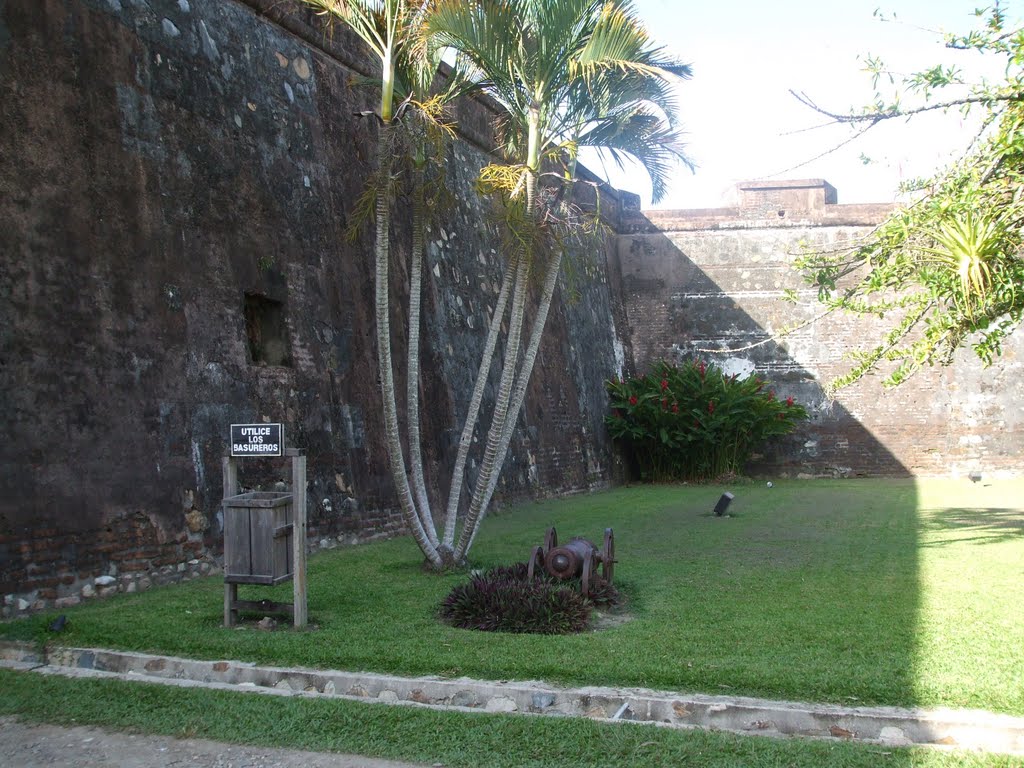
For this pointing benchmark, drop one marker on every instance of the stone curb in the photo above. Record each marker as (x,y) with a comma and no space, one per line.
(891,726)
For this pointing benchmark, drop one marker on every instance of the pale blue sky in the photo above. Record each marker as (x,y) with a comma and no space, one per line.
(743,123)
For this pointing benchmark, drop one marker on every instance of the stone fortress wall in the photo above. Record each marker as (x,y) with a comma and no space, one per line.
(177,181)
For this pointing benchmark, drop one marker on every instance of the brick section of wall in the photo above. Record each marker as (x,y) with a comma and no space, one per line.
(161,160)
(714,279)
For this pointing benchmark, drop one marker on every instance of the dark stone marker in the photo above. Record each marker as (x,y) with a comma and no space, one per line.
(723,504)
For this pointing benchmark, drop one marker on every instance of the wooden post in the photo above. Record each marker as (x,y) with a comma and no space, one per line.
(230,470)
(299,534)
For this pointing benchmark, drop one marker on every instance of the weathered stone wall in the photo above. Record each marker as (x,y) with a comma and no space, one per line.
(167,164)
(714,279)
(177,180)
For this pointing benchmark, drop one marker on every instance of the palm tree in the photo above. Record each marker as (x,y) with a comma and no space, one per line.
(386,27)
(566,73)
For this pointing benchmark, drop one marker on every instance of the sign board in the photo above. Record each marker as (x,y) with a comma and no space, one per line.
(257,440)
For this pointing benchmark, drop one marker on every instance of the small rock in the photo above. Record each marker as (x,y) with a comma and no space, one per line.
(22,605)
(894,737)
(104,581)
(388,696)
(196,521)
(595,712)
(419,697)
(542,700)
(283,685)
(169,29)
(329,688)
(108,591)
(266,623)
(88,591)
(358,690)
(301,67)
(464,699)
(501,704)
(680,709)
(842,733)
(132,587)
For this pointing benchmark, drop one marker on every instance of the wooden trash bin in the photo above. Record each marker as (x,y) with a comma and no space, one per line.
(265,542)
(258,538)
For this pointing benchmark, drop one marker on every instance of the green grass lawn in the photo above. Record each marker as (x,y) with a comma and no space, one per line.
(855,591)
(431,737)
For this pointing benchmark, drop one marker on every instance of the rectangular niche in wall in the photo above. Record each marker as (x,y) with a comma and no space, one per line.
(267,331)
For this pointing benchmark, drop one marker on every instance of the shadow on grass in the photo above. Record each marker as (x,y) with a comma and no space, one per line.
(988,525)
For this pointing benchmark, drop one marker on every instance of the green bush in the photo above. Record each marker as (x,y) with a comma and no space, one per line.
(693,422)
(504,600)
(505,604)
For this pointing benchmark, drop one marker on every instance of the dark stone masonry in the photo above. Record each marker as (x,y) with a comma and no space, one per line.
(177,180)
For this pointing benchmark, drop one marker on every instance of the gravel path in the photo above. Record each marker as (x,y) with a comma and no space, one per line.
(50,746)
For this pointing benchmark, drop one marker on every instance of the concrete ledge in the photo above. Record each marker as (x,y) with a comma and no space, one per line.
(964,729)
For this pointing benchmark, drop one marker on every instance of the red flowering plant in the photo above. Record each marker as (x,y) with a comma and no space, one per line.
(694,423)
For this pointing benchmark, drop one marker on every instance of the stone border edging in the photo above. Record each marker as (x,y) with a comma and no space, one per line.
(892,726)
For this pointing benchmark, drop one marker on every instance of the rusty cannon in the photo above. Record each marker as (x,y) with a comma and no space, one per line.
(577,558)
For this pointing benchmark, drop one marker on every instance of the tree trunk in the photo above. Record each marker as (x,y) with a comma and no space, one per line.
(523,377)
(387,379)
(492,461)
(413,373)
(473,412)
(501,405)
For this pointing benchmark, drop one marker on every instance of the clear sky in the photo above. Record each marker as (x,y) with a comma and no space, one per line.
(742,123)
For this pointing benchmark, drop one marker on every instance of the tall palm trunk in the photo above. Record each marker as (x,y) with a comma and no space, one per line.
(413,369)
(494,455)
(523,377)
(392,438)
(473,412)
(491,461)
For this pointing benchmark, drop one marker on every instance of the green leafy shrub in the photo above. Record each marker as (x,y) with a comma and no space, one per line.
(694,423)
(601,594)
(504,600)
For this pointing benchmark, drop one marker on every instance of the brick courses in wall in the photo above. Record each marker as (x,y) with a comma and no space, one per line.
(171,166)
(714,279)
(171,170)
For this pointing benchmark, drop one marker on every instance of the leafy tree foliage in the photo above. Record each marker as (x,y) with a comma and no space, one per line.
(946,268)
(694,423)
(564,74)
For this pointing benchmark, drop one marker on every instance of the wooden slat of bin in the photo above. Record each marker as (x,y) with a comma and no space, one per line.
(262,542)
(237,557)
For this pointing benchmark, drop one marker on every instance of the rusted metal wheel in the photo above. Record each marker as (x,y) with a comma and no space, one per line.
(588,572)
(536,564)
(550,539)
(608,555)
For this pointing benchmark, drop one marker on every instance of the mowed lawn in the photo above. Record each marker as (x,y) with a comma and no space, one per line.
(896,592)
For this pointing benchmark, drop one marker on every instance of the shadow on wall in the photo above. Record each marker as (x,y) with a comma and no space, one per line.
(707,284)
